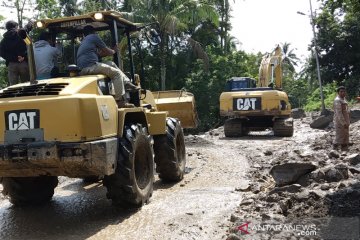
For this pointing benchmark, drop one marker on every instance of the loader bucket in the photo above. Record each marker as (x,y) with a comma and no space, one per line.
(179,104)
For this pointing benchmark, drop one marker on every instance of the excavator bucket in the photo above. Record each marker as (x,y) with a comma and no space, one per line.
(179,104)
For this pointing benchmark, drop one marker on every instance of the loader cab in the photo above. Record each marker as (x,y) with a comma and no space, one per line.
(112,28)
(240,84)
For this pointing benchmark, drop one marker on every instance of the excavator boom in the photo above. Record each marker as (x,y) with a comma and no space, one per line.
(270,71)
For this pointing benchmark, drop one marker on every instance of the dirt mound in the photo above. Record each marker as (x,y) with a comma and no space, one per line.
(329,190)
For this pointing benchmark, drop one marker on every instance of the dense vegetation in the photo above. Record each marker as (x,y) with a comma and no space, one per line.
(198,53)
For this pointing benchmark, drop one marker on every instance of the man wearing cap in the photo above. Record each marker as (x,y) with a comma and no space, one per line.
(341,119)
(88,54)
(13,50)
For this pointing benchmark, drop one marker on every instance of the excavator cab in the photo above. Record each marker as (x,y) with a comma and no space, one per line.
(239,84)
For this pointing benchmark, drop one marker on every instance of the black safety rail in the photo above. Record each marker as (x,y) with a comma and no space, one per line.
(34,90)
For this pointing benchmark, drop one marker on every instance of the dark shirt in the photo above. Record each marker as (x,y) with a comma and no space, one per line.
(12,46)
(87,52)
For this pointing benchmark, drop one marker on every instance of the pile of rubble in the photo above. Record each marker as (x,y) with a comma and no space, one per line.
(300,180)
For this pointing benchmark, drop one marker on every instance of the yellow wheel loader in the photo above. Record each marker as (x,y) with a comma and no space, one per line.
(71,125)
(256,108)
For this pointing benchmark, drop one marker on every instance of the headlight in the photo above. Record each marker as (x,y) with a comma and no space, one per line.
(98,16)
(39,24)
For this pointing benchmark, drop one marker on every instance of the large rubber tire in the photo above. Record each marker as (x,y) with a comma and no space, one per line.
(132,183)
(29,190)
(233,128)
(283,127)
(170,155)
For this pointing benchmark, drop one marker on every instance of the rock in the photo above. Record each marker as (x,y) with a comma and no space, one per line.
(273,198)
(255,188)
(289,173)
(353,159)
(354,170)
(246,202)
(284,206)
(268,153)
(354,115)
(244,188)
(328,113)
(325,187)
(334,154)
(293,188)
(321,122)
(298,113)
(336,174)
(234,218)
(319,194)
(233,236)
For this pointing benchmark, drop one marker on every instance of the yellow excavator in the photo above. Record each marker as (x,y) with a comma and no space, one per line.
(256,107)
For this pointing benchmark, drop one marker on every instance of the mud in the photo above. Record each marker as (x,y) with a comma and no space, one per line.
(196,208)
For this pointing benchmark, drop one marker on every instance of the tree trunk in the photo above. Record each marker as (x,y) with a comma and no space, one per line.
(163,63)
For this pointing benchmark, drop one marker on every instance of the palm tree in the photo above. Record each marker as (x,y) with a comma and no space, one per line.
(289,57)
(176,19)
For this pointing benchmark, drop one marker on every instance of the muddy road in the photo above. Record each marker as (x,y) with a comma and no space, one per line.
(196,208)
(227,182)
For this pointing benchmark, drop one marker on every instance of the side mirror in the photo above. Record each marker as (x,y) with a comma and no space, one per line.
(153,37)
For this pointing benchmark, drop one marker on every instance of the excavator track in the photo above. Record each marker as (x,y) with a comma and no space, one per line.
(283,127)
(233,128)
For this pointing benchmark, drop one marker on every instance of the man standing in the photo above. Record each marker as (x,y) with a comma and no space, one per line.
(88,61)
(341,119)
(45,56)
(13,50)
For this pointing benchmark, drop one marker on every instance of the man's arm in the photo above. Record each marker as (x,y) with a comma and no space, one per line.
(339,113)
(104,52)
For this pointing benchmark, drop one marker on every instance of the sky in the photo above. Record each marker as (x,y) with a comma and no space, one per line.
(259,25)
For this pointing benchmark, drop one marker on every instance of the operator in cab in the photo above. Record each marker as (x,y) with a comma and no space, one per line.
(91,47)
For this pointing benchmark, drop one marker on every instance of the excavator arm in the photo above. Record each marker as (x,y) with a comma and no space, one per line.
(270,71)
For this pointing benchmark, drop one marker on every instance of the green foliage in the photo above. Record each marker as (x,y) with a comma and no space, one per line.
(338,40)
(48,8)
(207,86)
(314,100)
(3,75)
(297,91)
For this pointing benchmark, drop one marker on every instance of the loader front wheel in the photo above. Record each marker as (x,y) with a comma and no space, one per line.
(132,183)
(170,156)
(29,190)
(233,128)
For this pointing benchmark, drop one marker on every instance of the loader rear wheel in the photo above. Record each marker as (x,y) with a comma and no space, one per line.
(29,190)
(132,183)
(283,127)
(233,128)
(170,156)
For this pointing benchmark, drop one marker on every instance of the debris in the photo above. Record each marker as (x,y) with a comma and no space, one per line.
(293,188)
(334,154)
(298,113)
(321,122)
(353,159)
(288,173)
